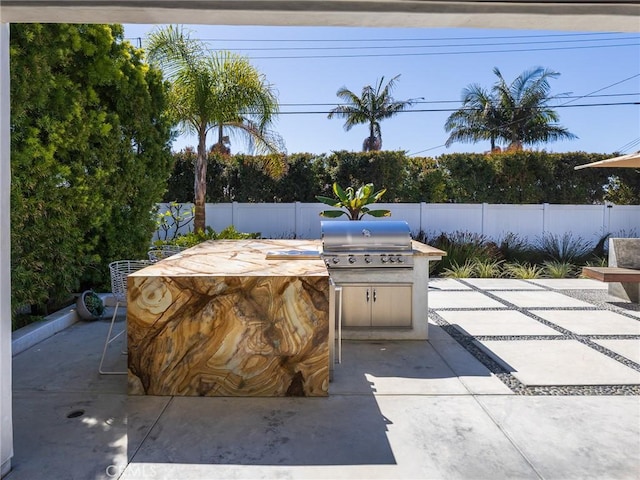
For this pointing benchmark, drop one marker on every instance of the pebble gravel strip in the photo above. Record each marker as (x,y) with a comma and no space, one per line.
(597,297)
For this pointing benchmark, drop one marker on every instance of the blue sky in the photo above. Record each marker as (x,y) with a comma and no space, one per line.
(435,64)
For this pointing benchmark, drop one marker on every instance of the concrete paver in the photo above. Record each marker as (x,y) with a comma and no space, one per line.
(629,348)
(475,377)
(540,299)
(569,283)
(495,322)
(449,299)
(559,362)
(502,284)
(591,322)
(447,284)
(572,437)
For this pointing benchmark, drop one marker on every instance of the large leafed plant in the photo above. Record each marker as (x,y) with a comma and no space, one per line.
(354,202)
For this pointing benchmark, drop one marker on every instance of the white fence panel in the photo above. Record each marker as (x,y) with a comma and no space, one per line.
(409,212)
(219,215)
(309,219)
(623,220)
(451,217)
(583,221)
(273,220)
(302,220)
(524,220)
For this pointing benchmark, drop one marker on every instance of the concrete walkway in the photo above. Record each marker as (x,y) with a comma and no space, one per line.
(520,379)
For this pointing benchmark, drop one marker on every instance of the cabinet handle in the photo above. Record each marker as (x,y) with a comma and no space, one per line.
(367,295)
(374,295)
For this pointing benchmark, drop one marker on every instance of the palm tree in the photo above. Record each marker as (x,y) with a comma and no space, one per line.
(517,114)
(524,105)
(215,91)
(372,106)
(478,119)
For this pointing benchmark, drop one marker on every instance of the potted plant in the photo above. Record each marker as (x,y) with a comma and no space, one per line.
(89,306)
(353,202)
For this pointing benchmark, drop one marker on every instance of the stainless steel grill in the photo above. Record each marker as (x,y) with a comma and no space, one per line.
(362,244)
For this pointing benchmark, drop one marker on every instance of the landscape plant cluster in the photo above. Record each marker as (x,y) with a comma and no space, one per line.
(89,159)
(524,177)
(472,255)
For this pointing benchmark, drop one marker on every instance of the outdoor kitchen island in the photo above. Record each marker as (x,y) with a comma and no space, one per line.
(220,319)
(245,318)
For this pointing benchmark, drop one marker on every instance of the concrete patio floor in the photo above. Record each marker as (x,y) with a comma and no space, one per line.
(519,379)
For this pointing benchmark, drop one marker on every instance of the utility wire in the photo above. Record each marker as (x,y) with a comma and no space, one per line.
(431,110)
(603,88)
(333,104)
(628,146)
(449,45)
(429,54)
(428,39)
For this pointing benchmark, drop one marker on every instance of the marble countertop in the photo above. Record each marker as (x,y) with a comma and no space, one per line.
(421,249)
(253,258)
(227,258)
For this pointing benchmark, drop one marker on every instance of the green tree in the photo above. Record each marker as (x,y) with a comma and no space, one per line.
(372,106)
(515,114)
(89,156)
(478,119)
(215,91)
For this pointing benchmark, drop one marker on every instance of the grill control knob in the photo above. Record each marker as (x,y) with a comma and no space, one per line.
(400,259)
(367,259)
(352,259)
(392,259)
(384,259)
(335,260)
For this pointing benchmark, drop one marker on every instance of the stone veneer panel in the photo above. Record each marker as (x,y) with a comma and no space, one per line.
(195,332)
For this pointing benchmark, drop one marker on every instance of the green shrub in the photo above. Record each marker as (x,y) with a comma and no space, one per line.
(191,239)
(487,268)
(513,248)
(463,247)
(522,270)
(564,248)
(459,271)
(555,269)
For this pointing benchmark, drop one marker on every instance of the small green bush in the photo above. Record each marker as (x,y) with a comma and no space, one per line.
(522,270)
(487,268)
(463,247)
(191,239)
(513,248)
(565,248)
(554,269)
(459,271)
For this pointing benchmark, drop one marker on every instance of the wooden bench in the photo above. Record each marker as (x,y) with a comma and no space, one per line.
(612,274)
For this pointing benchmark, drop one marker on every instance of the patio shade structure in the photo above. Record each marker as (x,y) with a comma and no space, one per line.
(625,161)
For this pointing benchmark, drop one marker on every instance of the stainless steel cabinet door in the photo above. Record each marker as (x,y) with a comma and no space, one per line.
(356,305)
(391,305)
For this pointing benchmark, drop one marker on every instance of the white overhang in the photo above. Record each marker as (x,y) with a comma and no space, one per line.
(621,15)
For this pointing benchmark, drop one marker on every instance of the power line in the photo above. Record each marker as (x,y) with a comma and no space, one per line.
(436,110)
(628,146)
(427,54)
(333,104)
(448,45)
(349,40)
(604,88)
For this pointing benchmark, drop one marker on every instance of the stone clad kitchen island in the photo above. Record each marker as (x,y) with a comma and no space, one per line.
(224,318)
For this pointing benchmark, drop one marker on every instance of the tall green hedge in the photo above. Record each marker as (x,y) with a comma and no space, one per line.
(527,177)
(90,157)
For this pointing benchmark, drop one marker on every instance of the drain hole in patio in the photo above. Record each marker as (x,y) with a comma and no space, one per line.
(75,414)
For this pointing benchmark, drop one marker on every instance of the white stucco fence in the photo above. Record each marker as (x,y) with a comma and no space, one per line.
(302,220)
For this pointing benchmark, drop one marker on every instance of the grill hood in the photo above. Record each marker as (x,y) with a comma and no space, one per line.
(365,236)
